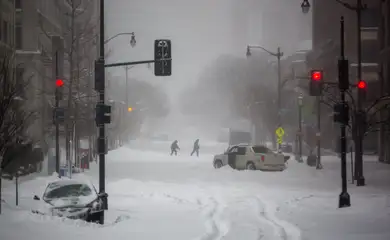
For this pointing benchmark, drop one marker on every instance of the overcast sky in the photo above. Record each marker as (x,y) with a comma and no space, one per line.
(200,31)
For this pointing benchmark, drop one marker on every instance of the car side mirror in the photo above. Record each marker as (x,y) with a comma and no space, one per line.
(102,195)
(36,198)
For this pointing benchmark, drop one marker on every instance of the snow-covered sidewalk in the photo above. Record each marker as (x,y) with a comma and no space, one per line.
(155,196)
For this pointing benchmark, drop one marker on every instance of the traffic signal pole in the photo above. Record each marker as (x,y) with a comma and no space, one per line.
(360,181)
(102,134)
(344,198)
(57,124)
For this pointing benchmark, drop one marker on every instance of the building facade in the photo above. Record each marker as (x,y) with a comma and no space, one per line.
(326,50)
(384,73)
(7,25)
(27,26)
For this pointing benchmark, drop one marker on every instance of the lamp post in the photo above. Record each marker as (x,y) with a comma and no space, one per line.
(133,41)
(278,55)
(127,68)
(358,8)
(305,6)
(300,104)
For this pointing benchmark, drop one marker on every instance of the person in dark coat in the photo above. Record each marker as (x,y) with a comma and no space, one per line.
(196,148)
(174,147)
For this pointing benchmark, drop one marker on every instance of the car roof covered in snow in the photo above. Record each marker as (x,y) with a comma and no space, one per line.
(65,182)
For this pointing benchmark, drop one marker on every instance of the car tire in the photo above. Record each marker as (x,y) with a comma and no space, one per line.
(218,164)
(250,166)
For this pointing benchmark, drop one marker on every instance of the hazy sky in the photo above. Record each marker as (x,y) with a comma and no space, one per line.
(200,31)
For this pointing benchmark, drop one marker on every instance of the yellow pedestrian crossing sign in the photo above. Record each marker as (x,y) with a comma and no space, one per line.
(280,140)
(279,132)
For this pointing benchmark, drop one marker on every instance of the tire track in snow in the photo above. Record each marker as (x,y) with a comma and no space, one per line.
(214,223)
(283,229)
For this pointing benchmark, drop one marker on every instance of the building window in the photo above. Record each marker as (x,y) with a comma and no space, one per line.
(18,4)
(19,78)
(5,32)
(18,36)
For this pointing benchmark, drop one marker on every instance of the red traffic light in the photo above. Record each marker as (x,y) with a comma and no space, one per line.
(362,84)
(59,83)
(316,75)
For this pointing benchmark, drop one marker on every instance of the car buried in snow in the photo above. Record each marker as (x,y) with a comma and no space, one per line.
(251,157)
(73,199)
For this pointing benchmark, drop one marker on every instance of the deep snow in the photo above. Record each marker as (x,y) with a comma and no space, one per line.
(155,196)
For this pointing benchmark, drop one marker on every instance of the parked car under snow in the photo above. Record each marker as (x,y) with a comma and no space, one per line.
(72,199)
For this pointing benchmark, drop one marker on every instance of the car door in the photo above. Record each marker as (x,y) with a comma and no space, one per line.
(232,155)
(241,158)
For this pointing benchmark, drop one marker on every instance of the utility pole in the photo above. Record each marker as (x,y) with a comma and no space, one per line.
(342,110)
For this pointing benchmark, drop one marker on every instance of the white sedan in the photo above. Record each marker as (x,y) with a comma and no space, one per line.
(72,199)
(251,157)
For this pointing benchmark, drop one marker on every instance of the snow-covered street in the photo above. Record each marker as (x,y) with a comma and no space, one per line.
(156,196)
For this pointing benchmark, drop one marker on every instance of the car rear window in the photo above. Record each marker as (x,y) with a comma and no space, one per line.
(260,149)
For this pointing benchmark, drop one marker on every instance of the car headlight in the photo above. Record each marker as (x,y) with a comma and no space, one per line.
(93,205)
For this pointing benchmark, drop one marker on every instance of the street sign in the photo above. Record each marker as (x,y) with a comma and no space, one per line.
(279,132)
(162,57)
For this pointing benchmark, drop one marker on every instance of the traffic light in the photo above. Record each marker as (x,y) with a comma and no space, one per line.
(316,82)
(99,75)
(130,109)
(162,51)
(341,113)
(362,89)
(58,115)
(343,75)
(59,89)
(103,114)
(362,85)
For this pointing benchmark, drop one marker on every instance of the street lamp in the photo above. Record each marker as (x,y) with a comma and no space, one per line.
(133,42)
(278,55)
(305,6)
(248,51)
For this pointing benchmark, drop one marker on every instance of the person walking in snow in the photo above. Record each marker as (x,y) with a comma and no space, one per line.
(196,148)
(174,147)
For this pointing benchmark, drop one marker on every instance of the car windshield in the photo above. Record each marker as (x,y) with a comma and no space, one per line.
(63,191)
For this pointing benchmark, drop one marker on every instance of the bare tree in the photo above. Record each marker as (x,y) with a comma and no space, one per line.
(14,116)
(80,39)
